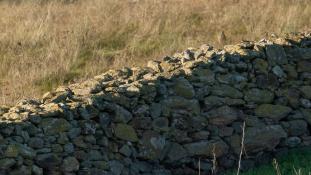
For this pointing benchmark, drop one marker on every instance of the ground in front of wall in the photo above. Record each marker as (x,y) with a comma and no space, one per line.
(296,162)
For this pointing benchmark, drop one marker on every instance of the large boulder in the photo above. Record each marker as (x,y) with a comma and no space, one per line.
(263,138)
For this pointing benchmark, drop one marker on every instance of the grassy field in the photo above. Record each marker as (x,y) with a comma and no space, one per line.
(296,162)
(45,43)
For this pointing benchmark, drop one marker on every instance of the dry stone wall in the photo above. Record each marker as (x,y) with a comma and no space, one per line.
(161,119)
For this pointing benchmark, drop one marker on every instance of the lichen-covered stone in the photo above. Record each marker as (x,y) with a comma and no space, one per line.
(259,96)
(52,126)
(126,132)
(183,88)
(275,112)
(226,91)
(15,150)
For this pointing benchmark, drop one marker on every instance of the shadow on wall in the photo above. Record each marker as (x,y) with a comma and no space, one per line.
(163,118)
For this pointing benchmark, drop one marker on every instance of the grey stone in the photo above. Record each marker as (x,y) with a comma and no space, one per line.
(52,126)
(275,112)
(70,164)
(207,148)
(94,155)
(305,103)
(116,167)
(259,96)
(126,132)
(160,124)
(183,88)
(306,91)
(122,115)
(222,116)
(6,163)
(278,71)
(226,91)
(176,152)
(69,148)
(276,55)
(14,150)
(297,127)
(155,110)
(293,141)
(37,170)
(48,161)
(126,150)
(192,107)
(36,142)
(261,138)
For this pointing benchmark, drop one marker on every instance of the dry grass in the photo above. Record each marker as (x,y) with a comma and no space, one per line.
(44,43)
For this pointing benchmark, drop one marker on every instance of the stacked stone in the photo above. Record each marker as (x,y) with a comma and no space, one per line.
(162,119)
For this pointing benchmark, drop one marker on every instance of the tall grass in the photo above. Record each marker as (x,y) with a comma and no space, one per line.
(45,43)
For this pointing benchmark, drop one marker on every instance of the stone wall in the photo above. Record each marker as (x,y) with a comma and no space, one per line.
(163,118)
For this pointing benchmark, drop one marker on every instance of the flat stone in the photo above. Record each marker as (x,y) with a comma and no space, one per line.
(226,91)
(293,141)
(126,132)
(222,116)
(192,107)
(53,126)
(18,149)
(300,53)
(207,148)
(259,96)
(275,112)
